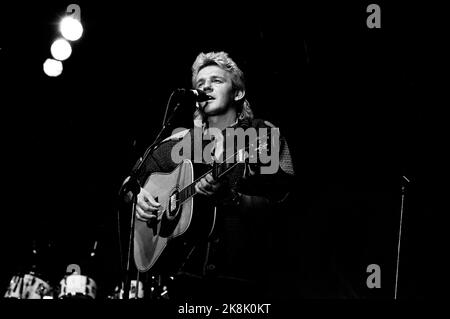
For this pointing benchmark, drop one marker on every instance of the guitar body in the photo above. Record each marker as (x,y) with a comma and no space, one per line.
(176,217)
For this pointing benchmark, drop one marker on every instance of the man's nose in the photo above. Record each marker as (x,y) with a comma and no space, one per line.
(207,86)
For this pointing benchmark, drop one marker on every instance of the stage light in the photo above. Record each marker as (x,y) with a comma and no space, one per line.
(61,49)
(71,28)
(53,67)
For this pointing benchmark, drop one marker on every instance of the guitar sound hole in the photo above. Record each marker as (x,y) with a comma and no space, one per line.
(173,206)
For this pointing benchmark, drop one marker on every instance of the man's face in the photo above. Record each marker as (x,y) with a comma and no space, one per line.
(217,84)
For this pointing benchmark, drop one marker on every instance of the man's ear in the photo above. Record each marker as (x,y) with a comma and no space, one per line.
(239,95)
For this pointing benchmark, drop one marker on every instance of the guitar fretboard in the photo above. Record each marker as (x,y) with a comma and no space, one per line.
(217,171)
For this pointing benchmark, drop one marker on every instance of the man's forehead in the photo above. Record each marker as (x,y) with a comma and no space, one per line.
(212,70)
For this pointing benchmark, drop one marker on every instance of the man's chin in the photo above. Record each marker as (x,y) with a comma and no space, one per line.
(211,111)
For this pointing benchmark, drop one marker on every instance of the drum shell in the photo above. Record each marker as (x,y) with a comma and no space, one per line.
(77,286)
(28,286)
(118,292)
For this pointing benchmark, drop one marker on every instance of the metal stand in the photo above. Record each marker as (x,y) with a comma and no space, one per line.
(133,186)
(404,183)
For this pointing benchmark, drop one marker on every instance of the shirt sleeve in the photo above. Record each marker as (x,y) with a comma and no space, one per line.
(274,184)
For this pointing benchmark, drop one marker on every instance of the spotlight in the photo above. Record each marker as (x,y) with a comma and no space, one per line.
(53,67)
(71,28)
(61,49)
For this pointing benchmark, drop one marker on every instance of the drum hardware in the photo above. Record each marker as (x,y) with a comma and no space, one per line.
(119,291)
(28,286)
(77,286)
(160,287)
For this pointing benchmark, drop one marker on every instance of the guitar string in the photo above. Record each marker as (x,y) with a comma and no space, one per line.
(179,202)
(210,171)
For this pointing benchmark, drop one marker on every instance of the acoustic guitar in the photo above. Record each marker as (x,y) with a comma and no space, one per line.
(179,213)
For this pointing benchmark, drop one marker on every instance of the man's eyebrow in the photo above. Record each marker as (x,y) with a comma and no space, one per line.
(201,80)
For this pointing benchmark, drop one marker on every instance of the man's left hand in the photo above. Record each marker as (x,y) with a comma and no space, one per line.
(207,185)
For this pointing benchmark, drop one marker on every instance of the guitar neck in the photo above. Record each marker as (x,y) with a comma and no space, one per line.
(218,171)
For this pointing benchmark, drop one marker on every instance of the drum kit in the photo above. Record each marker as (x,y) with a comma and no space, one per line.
(32,286)
(28,286)
(75,286)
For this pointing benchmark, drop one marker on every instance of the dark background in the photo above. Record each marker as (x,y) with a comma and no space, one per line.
(359,107)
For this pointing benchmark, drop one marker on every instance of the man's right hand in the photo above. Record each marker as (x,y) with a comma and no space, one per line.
(147,207)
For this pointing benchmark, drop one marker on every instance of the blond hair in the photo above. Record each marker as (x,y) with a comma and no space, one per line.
(223,61)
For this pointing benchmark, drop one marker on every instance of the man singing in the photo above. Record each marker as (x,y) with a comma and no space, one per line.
(234,259)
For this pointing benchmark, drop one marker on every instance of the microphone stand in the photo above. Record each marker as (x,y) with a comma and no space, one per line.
(404,182)
(133,186)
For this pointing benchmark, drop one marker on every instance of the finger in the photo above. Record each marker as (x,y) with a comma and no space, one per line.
(144,219)
(141,218)
(199,189)
(146,200)
(149,199)
(142,215)
(210,179)
(139,214)
(142,204)
(206,185)
(146,206)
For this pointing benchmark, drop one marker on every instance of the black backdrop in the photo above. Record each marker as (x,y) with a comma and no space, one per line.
(360,108)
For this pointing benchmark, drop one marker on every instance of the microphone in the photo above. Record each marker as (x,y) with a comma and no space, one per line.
(94,249)
(196,95)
